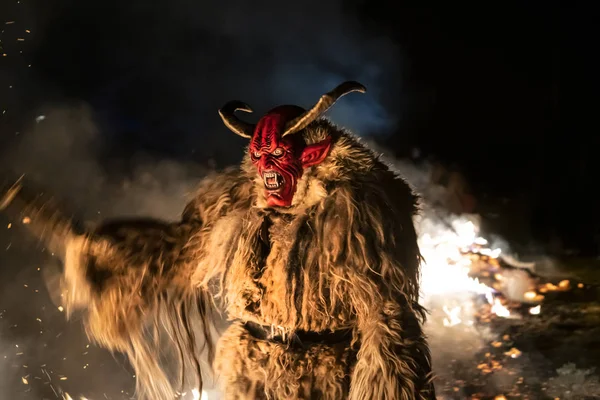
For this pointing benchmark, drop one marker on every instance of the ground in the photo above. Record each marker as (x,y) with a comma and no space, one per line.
(554,354)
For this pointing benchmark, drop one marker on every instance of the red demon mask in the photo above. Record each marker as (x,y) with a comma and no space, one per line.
(279,154)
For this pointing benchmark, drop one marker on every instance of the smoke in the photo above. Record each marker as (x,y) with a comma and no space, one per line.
(60,151)
(103,93)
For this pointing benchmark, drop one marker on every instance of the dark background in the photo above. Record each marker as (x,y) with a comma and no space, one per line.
(476,86)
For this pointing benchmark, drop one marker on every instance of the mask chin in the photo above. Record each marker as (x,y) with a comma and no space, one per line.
(276,201)
(282,197)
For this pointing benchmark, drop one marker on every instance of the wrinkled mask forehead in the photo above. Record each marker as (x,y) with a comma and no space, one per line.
(267,135)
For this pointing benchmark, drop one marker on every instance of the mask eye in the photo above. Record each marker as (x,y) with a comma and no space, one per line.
(278,151)
(256,154)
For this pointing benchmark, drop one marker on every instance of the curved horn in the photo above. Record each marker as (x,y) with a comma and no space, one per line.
(326,101)
(235,124)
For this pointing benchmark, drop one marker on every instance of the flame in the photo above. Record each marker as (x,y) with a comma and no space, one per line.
(499,309)
(448,260)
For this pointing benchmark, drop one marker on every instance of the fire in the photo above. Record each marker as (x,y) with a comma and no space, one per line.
(456,258)
(499,309)
(449,253)
(467,282)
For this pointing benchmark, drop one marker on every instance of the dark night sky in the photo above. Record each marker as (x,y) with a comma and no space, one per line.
(475,85)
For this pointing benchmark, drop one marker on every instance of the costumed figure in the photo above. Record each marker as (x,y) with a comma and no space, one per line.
(310,246)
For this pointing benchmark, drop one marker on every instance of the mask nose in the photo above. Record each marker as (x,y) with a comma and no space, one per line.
(266,162)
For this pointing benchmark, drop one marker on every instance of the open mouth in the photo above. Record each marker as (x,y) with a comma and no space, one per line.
(272,180)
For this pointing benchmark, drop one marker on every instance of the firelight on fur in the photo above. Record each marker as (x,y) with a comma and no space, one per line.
(310,246)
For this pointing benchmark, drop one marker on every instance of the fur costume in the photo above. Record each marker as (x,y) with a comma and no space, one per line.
(322,284)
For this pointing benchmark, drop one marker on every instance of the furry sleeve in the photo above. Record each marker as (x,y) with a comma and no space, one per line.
(134,280)
(379,255)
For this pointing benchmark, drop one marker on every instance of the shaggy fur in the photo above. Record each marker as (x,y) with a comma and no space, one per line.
(344,256)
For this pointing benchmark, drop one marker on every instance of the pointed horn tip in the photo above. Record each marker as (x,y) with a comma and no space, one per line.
(235,124)
(244,107)
(353,86)
(235,105)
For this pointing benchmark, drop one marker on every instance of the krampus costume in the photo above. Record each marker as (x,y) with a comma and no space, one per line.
(310,245)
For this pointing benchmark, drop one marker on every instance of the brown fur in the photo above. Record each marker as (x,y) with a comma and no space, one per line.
(259,369)
(344,255)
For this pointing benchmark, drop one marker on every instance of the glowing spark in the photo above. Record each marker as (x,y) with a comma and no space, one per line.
(533,296)
(530,295)
(499,309)
(513,353)
(535,310)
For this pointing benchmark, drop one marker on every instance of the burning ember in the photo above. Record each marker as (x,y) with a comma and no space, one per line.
(459,267)
(473,292)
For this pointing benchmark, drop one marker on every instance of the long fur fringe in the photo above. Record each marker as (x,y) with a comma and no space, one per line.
(344,256)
